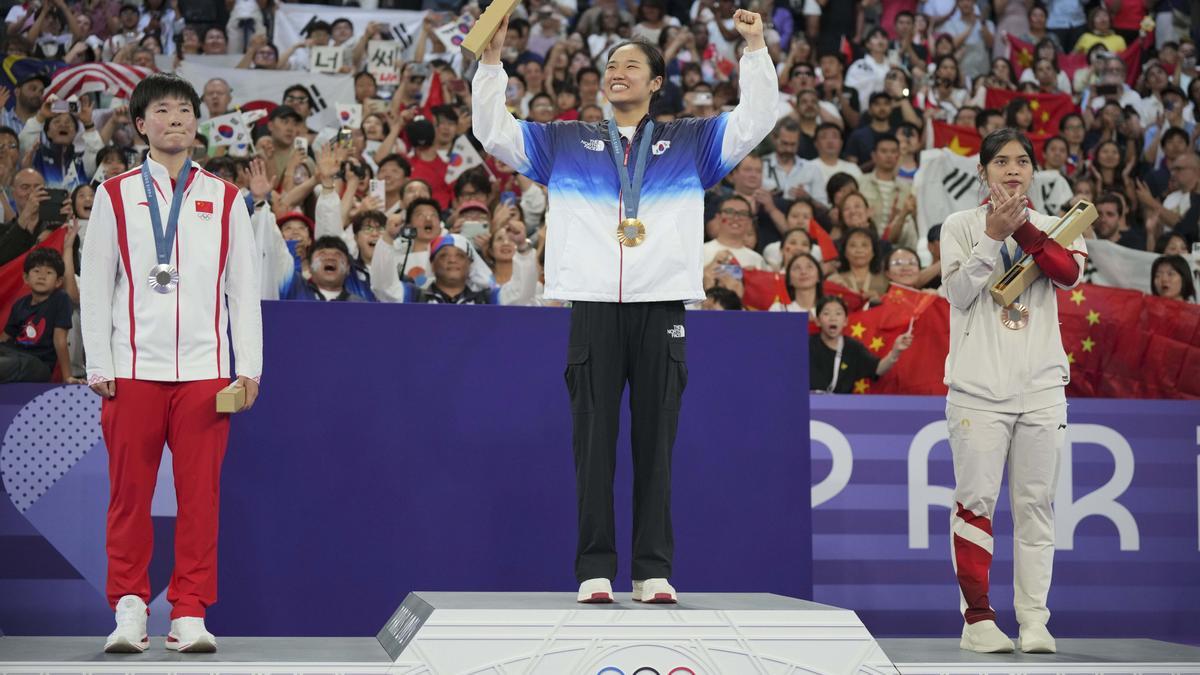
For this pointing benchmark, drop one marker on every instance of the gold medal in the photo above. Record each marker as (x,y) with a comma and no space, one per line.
(631,232)
(1014,316)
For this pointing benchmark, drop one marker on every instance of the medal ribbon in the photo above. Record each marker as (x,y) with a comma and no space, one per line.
(164,241)
(1008,262)
(631,191)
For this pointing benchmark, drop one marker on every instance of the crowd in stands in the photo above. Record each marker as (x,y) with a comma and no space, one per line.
(382,209)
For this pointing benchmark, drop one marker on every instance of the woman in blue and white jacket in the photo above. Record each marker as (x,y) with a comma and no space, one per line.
(628,259)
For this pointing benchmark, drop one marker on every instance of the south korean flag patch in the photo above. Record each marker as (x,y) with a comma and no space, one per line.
(661,147)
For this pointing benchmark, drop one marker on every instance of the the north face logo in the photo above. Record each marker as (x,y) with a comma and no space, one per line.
(676,332)
(594,144)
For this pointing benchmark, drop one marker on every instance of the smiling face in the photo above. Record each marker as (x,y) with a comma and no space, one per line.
(169,125)
(83,202)
(855,212)
(627,77)
(503,248)
(1012,167)
(735,219)
(214,42)
(372,127)
(903,267)
(367,237)
(295,230)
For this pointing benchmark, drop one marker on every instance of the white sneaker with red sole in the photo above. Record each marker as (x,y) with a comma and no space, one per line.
(654,591)
(189,635)
(595,591)
(130,636)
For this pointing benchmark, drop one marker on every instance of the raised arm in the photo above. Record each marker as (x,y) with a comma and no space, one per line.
(525,146)
(727,138)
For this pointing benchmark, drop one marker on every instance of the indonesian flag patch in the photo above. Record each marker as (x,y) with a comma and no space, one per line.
(204,209)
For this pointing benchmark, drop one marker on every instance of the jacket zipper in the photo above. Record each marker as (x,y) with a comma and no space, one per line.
(620,247)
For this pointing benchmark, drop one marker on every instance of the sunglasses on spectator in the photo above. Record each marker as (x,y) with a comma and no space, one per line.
(295,99)
(370,227)
(735,213)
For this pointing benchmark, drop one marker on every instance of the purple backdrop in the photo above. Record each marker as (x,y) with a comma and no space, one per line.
(405,447)
(428,447)
(1127,528)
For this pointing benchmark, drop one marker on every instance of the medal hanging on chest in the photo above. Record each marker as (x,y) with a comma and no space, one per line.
(631,231)
(164,277)
(1013,316)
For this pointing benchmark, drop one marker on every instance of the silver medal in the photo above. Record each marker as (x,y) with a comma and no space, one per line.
(164,278)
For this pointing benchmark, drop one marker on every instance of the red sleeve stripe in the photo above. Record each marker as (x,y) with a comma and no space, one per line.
(113,187)
(231,193)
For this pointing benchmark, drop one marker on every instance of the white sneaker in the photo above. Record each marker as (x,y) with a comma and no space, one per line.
(985,637)
(597,590)
(1035,639)
(189,635)
(130,636)
(654,591)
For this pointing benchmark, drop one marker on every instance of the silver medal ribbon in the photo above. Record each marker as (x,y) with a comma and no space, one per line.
(164,277)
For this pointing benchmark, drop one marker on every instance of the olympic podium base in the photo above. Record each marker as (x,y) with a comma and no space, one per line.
(552,634)
(365,656)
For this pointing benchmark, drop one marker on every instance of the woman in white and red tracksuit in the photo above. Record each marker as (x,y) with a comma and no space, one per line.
(1007,374)
(158,306)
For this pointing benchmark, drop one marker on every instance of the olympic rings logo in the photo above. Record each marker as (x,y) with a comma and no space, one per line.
(646,670)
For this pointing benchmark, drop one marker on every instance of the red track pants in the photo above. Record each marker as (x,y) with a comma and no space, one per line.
(136,423)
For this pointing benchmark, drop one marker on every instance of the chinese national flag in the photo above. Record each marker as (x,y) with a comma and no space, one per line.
(961,140)
(1126,344)
(1048,109)
(920,369)
(763,289)
(1020,54)
(854,300)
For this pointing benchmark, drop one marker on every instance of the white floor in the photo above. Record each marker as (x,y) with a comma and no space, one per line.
(364,656)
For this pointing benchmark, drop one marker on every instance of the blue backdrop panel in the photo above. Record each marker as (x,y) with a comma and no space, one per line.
(422,447)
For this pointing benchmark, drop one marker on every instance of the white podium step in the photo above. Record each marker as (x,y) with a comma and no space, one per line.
(551,634)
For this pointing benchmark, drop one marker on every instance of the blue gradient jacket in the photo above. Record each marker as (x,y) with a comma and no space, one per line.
(584,260)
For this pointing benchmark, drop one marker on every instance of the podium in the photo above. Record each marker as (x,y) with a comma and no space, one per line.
(551,634)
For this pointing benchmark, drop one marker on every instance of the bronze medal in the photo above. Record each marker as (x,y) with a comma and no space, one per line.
(1014,316)
(631,232)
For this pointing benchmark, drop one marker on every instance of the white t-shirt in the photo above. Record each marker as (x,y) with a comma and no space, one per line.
(745,257)
(815,174)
